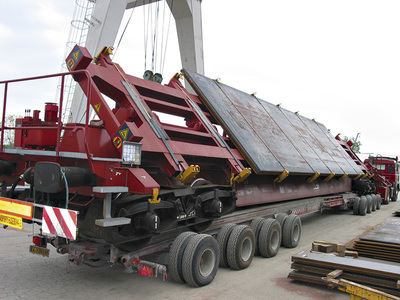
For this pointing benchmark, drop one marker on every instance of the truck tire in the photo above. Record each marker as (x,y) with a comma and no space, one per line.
(373,203)
(270,238)
(256,225)
(394,198)
(200,260)
(369,203)
(222,239)
(291,232)
(356,206)
(363,206)
(281,218)
(378,201)
(175,256)
(241,245)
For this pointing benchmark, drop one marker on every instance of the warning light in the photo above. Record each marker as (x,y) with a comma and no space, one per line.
(39,240)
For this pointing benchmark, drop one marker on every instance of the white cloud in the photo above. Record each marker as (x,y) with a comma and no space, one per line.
(5,33)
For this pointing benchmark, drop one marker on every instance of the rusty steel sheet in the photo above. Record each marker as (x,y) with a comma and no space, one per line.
(355,265)
(271,139)
(388,233)
(371,281)
(318,279)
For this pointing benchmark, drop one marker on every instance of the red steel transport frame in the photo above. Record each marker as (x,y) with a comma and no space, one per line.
(127,183)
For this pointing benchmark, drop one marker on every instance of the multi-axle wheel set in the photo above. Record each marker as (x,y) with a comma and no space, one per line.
(366,204)
(194,258)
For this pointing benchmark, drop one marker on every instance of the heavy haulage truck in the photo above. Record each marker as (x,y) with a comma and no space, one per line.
(163,199)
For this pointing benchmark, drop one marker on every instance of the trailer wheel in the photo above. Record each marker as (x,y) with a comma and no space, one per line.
(291,232)
(241,245)
(270,238)
(378,201)
(200,260)
(363,206)
(356,206)
(222,239)
(281,218)
(373,203)
(175,256)
(256,225)
(369,204)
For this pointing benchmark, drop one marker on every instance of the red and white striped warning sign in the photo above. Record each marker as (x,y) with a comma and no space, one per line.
(59,221)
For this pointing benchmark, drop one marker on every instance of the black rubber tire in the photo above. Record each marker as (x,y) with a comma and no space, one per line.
(270,238)
(281,218)
(256,227)
(373,203)
(363,206)
(175,256)
(378,201)
(356,206)
(291,232)
(222,240)
(241,245)
(369,204)
(200,260)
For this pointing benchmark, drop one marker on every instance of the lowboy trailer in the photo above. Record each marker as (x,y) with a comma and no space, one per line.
(129,187)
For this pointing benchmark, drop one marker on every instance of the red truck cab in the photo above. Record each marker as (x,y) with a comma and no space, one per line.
(386,170)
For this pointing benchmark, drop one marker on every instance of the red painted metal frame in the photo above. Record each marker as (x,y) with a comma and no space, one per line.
(164,156)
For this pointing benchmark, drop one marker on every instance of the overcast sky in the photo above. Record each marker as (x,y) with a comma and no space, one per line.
(335,61)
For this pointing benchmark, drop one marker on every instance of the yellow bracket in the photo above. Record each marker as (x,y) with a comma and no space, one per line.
(106,51)
(312,178)
(188,175)
(357,177)
(177,76)
(282,176)
(155,198)
(329,177)
(364,176)
(343,176)
(241,176)
(372,175)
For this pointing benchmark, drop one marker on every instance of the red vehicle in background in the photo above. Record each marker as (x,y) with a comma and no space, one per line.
(386,170)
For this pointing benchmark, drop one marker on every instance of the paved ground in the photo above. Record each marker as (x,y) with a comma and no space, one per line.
(27,276)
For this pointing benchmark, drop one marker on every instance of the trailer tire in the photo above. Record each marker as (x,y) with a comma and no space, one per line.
(256,225)
(356,206)
(369,204)
(200,260)
(281,218)
(175,256)
(373,203)
(378,201)
(363,206)
(241,245)
(222,239)
(270,238)
(291,232)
